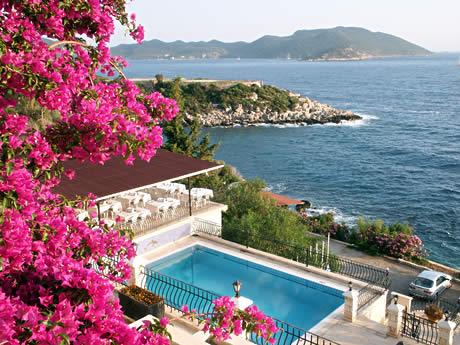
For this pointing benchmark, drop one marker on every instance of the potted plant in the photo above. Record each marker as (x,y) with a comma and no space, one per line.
(137,302)
(433,312)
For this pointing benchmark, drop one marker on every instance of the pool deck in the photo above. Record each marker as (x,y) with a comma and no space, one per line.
(333,327)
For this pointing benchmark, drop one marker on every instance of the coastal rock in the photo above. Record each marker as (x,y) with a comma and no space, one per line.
(305,112)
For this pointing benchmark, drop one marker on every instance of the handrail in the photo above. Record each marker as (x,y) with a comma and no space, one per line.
(150,223)
(420,329)
(308,256)
(176,292)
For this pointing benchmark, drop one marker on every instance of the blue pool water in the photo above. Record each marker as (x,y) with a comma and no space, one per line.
(294,300)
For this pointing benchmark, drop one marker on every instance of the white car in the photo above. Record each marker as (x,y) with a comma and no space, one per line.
(430,284)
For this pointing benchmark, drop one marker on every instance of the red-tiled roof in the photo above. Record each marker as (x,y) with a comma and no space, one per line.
(281,200)
(115,176)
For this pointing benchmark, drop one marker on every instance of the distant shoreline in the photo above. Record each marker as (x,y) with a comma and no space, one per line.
(332,43)
(357,58)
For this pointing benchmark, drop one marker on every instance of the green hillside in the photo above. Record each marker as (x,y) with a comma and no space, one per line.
(321,44)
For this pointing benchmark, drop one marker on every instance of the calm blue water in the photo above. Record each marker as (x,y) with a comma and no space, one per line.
(299,302)
(402,163)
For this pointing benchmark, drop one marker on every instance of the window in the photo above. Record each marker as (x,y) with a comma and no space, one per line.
(440,280)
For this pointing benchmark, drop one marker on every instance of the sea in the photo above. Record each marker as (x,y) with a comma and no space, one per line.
(400,163)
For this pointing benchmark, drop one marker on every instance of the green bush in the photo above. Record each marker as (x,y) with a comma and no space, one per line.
(249,211)
(198,98)
(374,237)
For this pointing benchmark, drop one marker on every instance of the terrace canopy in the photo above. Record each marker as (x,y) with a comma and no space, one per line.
(115,177)
(281,200)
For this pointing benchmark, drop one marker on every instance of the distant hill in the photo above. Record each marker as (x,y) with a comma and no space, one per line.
(322,44)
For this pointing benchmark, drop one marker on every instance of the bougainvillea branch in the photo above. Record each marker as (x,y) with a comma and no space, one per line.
(226,319)
(48,291)
(49,294)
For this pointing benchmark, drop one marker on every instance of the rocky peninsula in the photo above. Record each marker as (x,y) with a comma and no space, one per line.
(238,102)
(304,112)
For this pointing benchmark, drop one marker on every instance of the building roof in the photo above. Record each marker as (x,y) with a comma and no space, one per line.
(281,200)
(115,177)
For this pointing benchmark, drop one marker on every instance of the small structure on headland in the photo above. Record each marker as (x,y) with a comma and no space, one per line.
(220,83)
(280,200)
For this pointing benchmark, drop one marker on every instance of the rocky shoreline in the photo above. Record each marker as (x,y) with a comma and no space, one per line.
(305,112)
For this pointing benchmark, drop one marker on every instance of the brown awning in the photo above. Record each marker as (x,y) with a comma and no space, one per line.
(115,176)
(281,200)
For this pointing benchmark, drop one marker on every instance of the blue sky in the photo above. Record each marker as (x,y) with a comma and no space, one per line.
(433,24)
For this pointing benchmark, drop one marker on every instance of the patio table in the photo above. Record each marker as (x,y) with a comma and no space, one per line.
(104,207)
(145,197)
(171,187)
(143,212)
(171,201)
(130,215)
(132,199)
(179,187)
(157,206)
(202,192)
(116,205)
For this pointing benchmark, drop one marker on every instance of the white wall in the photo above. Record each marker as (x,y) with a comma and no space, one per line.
(376,311)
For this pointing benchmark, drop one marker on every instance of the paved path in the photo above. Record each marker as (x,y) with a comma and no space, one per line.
(401,275)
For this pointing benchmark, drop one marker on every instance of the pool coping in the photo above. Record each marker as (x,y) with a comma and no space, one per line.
(271,261)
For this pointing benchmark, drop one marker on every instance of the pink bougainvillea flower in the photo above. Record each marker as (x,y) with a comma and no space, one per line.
(70,174)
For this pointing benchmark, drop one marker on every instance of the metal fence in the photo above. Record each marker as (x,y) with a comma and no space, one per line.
(368,294)
(203,226)
(308,256)
(177,293)
(420,329)
(289,335)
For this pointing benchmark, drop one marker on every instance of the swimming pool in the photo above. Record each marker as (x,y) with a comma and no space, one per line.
(292,299)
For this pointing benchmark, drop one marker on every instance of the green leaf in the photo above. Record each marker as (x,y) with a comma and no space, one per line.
(45,236)
(9,167)
(65,339)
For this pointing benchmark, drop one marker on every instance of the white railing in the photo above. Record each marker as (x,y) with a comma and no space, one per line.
(151,223)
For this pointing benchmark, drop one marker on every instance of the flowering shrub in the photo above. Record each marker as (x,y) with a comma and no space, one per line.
(49,294)
(226,319)
(433,312)
(142,295)
(396,240)
(324,224)
(398,245)
(155,332)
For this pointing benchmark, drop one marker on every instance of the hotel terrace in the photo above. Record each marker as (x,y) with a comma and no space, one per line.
(178,230)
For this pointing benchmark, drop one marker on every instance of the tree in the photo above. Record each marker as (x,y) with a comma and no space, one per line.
(178,138)
(159,78)
(248,210)
(49,294)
